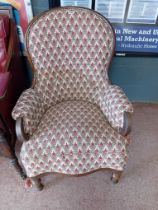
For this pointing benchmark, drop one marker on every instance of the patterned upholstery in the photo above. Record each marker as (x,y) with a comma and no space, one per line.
(31,108)
(113,102)
(73,137)
(77,57)
(72,112)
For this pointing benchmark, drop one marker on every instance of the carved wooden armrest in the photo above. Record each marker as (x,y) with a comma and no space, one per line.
(20,133)
(126,129)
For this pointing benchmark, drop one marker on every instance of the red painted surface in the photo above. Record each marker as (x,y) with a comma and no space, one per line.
(12,83)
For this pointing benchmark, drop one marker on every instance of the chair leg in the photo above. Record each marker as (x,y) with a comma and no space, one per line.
(116,175)
(17,167)
(37,183)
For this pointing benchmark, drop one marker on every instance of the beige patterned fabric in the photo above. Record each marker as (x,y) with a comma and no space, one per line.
(71,51)
(71,108)
(30,107)
(73,138)
(114,103)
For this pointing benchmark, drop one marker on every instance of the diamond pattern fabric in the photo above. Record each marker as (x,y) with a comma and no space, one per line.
(72,112)
(113,102)
(73,138)
(31,108)
(70,50)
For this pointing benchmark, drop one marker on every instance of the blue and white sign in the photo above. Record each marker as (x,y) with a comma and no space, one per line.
(135,23)
(143,11)
(114,10)
(80,3)
(136,39)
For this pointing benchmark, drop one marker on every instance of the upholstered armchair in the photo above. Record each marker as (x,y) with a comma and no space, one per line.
(72,120)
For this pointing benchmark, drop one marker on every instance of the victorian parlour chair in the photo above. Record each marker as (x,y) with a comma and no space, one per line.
(72,120)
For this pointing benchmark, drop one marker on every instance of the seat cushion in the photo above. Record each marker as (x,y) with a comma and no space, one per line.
(73,137)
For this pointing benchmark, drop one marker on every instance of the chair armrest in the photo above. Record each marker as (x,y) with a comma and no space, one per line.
(117,108)
(20,133)
(126,129)
(30,108)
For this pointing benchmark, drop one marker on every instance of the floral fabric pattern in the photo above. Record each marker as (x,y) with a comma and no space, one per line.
(114,103)
(72,112)
(76,58)
(73,138)
(30,107)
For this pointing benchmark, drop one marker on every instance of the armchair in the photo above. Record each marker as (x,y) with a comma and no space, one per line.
(72,120)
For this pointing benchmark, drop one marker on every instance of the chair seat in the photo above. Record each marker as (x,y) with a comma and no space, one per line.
(73,137)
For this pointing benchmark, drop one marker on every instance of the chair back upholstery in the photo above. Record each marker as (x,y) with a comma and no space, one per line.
(70,49)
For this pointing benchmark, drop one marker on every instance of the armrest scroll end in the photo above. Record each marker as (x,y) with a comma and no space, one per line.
(126,129)
(20,133)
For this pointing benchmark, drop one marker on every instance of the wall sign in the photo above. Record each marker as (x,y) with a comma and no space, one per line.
(80,3)
(135,23)
(141,39)
(114,10)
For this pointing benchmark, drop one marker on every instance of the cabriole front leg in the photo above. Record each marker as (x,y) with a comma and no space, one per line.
(37,182)
(34,181)
(116,175)
(22,136)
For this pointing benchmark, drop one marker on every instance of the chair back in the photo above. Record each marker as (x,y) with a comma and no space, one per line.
(70,49)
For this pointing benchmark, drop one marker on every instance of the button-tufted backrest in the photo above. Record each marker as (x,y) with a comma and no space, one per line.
(70,49)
